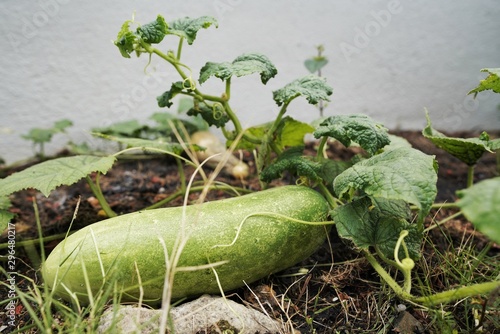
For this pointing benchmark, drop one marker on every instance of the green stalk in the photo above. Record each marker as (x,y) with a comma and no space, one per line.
(321,147)
(470,176)
(447,219)
(182,176)
(268,137)
(179,48)
(223,100)
(96,190)
(386,277)
(459,293)
(328,196)
(440,206)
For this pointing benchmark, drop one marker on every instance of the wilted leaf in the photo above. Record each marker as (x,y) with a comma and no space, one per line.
(126,40)
(481,205)
(48,175)
(188,27)
(361,129)
(312,87)
(243,65)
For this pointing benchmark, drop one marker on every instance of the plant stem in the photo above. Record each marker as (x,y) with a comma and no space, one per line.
(223,100)
(329,197)
(470,176)
(386,277)
(182,176)
(321,147)
(459,293)
(441,206)
(269,136)
(96,189)
(447,219)
(179,48)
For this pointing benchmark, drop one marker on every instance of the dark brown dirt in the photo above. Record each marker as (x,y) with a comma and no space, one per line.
(340,291)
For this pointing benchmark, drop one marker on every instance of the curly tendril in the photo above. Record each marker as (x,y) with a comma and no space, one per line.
(189,83)
(217,110)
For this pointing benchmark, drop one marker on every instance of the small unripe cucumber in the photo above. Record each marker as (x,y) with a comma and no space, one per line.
(122,246)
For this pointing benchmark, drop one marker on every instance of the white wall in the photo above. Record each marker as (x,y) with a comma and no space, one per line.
(388,59)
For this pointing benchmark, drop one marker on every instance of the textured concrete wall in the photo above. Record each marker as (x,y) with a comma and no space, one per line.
(389,59)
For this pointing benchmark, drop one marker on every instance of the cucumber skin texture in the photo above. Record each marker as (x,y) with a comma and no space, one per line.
(264,246)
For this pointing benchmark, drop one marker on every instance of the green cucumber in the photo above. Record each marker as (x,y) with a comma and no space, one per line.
(116,249)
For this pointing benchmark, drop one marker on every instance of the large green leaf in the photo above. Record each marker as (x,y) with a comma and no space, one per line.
(243,65)
(48,175)
(377,224)
(361,129)
(468,150)
(492,82)
(312,87)
(481,205)
(400,174)
(188,28)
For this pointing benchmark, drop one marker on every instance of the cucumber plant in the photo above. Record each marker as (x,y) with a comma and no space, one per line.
(378,200)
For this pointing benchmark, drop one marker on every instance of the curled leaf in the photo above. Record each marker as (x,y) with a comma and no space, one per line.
(245,64)
(188,28)
(126,40)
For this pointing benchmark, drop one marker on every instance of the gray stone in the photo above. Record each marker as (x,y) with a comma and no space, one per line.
(206,314)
